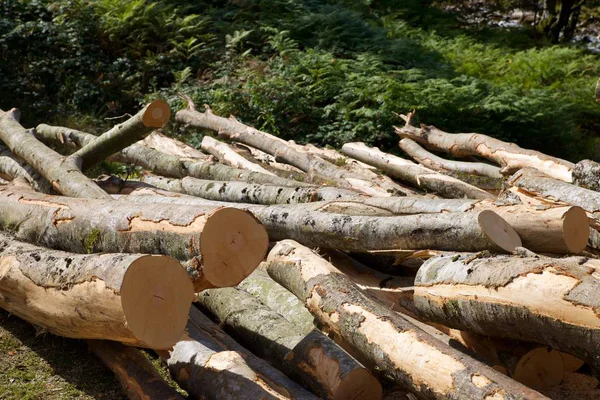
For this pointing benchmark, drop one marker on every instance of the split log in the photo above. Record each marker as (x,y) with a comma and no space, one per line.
(174,147)
(493,295)
(208,364)
(278,298)
(400,349)
(311,358)
(436,163)
(135,299)
(138,377)
(223,245)
(508,155)
(64,176)
(228,156)
(309,163)
(421,177)
(154,115)
(12,168)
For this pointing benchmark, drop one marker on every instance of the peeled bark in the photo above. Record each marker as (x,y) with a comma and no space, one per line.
(223,245)
(436,163)
(421,177)
(208,364)
(174,147)
(400,349)
(228,156)
(508,155)
(154,115)
(494,295)
(131,298)
(12,168)
(138,377)
(312,358)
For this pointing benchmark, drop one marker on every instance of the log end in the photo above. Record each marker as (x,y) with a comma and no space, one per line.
(359,384)
(232,244)
(576,229)
(499,231)
(156,114)
(540,368)
(156,295)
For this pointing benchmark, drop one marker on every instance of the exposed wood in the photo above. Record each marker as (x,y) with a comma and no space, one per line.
(154,115)
(419,176)
(436,163)
(228,156)
(223,245)
(311,357)
(174,147)
(138,377)
(135,299)
(508,155)
(401,350)
(492,295)
(208,364)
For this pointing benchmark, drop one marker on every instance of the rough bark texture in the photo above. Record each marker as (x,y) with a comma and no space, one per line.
(225,245)
(99,296)
(508,155)
(436,163)
(312,358)
(494,295)
(586,173)
(225,154)
(208,364)
(400,349)
(63,174)
(421,177)
(138,377)
(12,168)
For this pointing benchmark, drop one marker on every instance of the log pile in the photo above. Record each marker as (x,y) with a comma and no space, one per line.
(438,278)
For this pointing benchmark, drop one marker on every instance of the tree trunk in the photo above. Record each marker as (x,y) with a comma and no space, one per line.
(225,245)
(12,168)
(173,147)
(154,115)
(421,177)
(508,155)
(138,377)
(64,176)
(208,364)
(436,163)
(228,156)
(312,358)
(400,349)
(494,295)
(135,299)
(586,174)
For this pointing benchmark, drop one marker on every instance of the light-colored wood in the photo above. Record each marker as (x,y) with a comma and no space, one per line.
(540,368)
(572,363)
(174,147)
(228,156)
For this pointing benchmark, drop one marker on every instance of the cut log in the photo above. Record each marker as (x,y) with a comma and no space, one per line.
(436,163)
(421,177)
(12,168)
(228,156)
(174,147)
(135,299)
(400,349)
(154,115)
(208,364)
(224,245)
(572,363)
(311,358)
(64,176)
(138,377)
(508,155)
(309,163)
(586,174)
(493,295)
(278,299)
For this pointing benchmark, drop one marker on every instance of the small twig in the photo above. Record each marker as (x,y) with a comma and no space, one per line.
(119,117)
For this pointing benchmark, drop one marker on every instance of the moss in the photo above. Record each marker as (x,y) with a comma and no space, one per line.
(90,241)
(452,308)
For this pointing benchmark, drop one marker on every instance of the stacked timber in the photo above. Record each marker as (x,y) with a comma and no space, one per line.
(389,278)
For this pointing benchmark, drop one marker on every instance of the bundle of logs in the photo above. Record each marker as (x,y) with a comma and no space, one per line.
(261,268)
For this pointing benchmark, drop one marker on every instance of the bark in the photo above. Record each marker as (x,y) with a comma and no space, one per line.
(278,298)
(436,163)
(228,156)
(154,115)
(64,176)
(138,377)
(131,298)
(223,245)
(509,156)
(421,177)
(586,174)
(12,168)
(208,364)
(165,144)
(309,163)
(401,350)
(267,159)
(311,358)
(493,295)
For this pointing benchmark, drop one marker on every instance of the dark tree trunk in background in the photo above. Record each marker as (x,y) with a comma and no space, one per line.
(560,17)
